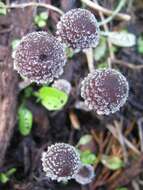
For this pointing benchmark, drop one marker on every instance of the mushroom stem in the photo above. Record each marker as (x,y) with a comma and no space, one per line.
(24,84)
(89,56)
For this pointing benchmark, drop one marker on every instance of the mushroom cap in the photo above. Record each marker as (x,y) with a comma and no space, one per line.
(78,28)
(61,162)
(39,57)
(85,174)
(105,91)
(63,85)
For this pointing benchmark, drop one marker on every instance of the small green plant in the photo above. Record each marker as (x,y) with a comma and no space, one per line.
(103,65)
(5,176)
(140,45)
(87,157)
(41,19)
(112,162)
(3,10)
(121,188)
(51,98)
(101,49)
(122,38)
(15,43)
(69,52)
(84,140)
(25,119)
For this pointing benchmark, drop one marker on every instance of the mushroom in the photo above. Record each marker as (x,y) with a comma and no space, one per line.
(105,91)
(78,28)
(39,57)
(61,162)
(85,174)
(63,85)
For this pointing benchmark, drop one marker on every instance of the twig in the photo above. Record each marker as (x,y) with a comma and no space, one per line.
(127,142)
(127,64)
(114,13)
(135,185)
(34,4)
(74,120)
(105,11)
(128,174)
(122,141)
(140,123)
(106,29)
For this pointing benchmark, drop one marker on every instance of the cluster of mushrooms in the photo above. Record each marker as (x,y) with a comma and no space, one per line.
(40,57)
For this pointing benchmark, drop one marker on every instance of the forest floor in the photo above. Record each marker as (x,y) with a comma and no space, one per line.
(119,134)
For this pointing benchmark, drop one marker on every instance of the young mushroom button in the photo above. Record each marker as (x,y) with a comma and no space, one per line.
(61,162)
(85,174)
(63,85)
(78,29)
(105,91)
(39,57)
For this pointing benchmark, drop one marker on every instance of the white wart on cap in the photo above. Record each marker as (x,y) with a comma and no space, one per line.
(61,162)
(105,91)
(78,28)
(39,57)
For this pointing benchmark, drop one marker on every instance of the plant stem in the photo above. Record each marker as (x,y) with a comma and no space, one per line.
(105,11)
(114,13)
(34,4)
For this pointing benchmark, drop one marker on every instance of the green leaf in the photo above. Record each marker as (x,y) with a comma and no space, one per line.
(3,10)
(140,45)
(3,178)
(37,19)
(102,65)
(87,157)
(15,43)
(11,172)
(25,120)
(100,50)
(122,39)
(121,188)
(28,92)
(85,139)
(69,52)
(41,23)
(43,15)
(112,162)
(52,98)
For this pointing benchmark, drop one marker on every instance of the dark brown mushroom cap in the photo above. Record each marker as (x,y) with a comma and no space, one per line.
(39,57)
(105,91)
(61,162)
(85,174)
(78,29)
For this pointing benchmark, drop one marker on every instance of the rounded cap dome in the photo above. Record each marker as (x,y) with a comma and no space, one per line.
(78,29)
(61,162)
(105,91)
(39,57)
(85,174)
(63,85)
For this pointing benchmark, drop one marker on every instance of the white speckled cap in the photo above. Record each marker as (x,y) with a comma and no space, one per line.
(61,162)
(105,91)
(39,57)
(78,28)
